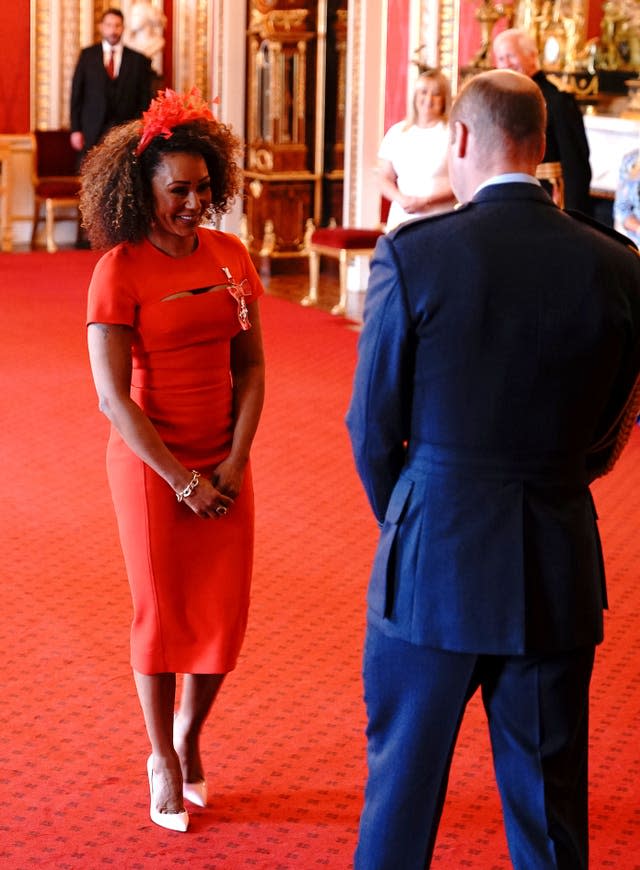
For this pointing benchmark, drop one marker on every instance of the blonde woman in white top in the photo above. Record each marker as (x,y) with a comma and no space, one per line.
(412,159)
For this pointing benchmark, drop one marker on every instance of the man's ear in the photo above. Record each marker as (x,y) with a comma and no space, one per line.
(459,138)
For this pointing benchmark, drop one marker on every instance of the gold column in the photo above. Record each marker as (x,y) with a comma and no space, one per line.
(192,45)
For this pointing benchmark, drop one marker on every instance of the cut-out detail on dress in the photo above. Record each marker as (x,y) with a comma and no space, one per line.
(197,291)
(237,290)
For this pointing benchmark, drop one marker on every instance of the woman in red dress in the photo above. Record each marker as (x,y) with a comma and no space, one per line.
(176,355)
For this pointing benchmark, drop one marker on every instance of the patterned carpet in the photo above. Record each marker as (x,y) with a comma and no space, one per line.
(284,748)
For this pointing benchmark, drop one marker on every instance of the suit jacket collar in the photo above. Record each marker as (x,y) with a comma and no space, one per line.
(512,191)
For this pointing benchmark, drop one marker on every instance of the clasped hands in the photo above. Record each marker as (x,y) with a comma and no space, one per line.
(415,204)
(214,496)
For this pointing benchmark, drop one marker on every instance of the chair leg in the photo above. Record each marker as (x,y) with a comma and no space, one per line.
(36,220)
(49,216)
(314,276)
(341,307)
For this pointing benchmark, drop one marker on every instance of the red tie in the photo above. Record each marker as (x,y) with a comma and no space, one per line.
(111,64)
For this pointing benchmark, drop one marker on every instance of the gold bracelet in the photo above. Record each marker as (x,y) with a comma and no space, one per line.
(186,492)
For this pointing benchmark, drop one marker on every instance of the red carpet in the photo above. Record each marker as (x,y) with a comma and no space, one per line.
(284,748)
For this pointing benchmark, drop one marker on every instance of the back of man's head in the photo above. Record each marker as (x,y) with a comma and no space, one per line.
(506,113)
(497,126)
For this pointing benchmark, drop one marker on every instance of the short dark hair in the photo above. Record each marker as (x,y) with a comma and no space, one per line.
(506,111)
(116,200)
(112,11)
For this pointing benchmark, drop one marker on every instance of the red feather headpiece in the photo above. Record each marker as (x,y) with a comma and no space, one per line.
(168,110)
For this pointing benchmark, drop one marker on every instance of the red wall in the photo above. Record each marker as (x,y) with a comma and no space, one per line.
(469,35)
(398,50)
(593,14)
(14,67)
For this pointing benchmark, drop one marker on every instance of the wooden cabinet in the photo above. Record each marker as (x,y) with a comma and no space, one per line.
(295,122)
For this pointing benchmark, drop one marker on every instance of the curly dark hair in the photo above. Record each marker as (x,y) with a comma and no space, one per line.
(116,200)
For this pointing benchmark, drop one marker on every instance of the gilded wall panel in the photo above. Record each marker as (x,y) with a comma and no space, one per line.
(192,46)
(438,42)
(353,136)
(59,29)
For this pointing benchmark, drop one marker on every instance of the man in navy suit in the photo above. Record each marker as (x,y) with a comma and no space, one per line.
(111,84)
(500,345)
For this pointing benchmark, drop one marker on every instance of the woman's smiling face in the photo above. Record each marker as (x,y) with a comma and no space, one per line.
(429,101)
(181,195)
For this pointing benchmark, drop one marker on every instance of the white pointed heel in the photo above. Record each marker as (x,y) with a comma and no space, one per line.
(170,821)
(195,792)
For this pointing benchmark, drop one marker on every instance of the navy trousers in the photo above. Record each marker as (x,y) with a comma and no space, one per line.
(537,709)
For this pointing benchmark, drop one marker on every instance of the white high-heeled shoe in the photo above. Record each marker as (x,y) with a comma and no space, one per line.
(170,821)
(195,792)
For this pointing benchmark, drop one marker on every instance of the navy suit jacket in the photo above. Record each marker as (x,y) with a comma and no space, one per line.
(567,143)
(97,103)
(499,342)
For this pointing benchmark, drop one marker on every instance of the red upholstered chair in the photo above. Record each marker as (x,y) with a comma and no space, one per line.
(342,243)
(55,180)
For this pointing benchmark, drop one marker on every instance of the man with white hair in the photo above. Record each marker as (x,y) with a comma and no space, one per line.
(566,139)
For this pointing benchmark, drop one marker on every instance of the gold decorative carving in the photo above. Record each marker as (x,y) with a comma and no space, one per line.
(487,15)
(270,5)
(341,51)
(268,239)
(256,188)
(55,43)
(276,88)
(278,22)
(245,237)
(301,61)
(357,23)
(448,40)
(191,45)
(261,160)
(40,50)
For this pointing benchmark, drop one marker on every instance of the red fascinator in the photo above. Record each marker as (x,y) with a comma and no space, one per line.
(168,110)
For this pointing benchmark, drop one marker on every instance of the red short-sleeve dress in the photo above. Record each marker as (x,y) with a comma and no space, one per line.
(189,577)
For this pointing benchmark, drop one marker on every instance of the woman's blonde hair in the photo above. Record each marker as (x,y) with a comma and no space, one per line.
(443,89)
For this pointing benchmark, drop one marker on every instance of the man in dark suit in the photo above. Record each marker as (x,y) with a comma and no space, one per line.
(500,344)
(111,84)
(566,138)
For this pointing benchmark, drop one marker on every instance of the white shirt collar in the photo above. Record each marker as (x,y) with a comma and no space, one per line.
(509,178)
(107,48)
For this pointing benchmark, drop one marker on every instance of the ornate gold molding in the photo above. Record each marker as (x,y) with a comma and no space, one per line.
(278,21)
(192,41)
(439,37)
(357,24)
(59,29)
(55,43)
